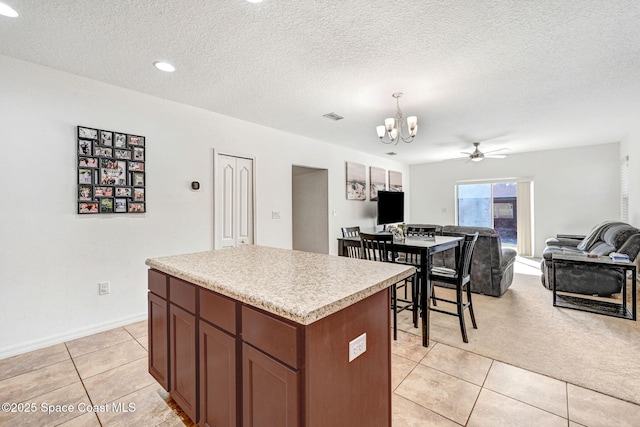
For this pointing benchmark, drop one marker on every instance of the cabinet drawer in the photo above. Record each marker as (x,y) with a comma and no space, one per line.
(183,294)
(273,336)
(218,310)
(157,283)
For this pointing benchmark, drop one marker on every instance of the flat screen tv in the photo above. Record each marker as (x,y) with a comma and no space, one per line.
(390,207)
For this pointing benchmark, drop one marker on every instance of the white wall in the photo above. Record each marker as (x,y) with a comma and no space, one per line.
(574,188)
(51,259)
(630,146)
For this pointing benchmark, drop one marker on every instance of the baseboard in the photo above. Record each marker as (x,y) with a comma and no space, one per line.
(57,339)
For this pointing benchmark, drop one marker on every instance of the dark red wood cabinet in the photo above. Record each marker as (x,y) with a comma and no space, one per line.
(158,325)
(228,364)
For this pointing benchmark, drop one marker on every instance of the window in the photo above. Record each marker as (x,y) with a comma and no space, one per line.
(492,205)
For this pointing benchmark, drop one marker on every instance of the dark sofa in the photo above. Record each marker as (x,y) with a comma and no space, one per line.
(491,264)
(604,238)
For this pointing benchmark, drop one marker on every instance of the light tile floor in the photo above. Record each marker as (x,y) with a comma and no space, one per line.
(104,377)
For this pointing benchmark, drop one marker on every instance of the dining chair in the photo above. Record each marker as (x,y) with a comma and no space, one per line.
(379,247)
(352,251)
(460,278)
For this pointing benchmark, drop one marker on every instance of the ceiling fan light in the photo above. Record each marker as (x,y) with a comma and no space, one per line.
(381,130)
(477,159)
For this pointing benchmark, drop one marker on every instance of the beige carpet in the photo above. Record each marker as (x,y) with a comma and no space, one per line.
(522,328)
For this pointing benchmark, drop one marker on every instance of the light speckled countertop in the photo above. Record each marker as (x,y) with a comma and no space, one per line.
(299,286)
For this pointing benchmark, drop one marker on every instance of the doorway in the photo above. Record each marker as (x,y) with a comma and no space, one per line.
(310,209)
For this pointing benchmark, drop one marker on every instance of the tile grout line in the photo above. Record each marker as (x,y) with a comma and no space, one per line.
(82,382)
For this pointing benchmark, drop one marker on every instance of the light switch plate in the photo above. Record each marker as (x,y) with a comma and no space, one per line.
(357,346)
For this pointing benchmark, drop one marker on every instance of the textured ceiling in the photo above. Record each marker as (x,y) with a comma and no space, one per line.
(523,75)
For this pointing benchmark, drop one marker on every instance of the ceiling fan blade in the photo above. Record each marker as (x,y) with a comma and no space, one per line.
(465,153)
(496,156)
(495,151)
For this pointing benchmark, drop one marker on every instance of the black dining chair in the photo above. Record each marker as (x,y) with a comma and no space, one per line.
(352,251)
(379,247)
(460,278)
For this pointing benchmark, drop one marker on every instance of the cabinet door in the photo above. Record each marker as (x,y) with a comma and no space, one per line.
(269,391)
(158,340)
(217,377)
(182,353)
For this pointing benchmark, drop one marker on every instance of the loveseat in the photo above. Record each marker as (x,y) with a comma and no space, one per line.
(491,264)
(604,238)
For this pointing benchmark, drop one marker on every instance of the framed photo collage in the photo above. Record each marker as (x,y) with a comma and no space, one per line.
(111,172)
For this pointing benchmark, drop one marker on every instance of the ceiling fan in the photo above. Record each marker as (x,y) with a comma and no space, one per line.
(478,156)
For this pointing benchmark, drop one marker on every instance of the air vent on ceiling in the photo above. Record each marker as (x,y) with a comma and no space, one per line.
(390,153)
(333,116)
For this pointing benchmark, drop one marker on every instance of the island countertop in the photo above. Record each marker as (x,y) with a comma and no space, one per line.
(300,286)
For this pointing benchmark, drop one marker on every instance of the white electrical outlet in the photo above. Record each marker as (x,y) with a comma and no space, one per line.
(357,346)
(104,288)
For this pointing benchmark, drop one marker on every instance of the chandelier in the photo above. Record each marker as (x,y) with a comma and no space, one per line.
(393,126)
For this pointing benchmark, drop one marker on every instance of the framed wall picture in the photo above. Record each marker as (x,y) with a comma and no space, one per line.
(136,140)
(120,206)
(110,164)
(123,192)
(395,181)
(377,182)
(138,179)
(87,133)
(138,154)
(106,138)
(88,208)
(136,207)
(122,154)
(84,147)
(120,140)
(356,181)
(138,194)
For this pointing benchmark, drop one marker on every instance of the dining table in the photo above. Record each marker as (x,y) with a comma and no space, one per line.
(424,247)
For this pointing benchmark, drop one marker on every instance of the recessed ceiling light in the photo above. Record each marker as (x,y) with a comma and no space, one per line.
(8,11)
(254,1)
(164,66)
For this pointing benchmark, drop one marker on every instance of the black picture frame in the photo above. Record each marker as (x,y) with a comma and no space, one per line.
(87,133)
(136,140)
(110,172)
(88,208)
(136,207)
(106,138)
(85,147)
(120,140)
(122,154)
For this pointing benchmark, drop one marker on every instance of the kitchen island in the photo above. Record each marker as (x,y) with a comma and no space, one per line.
(255,336)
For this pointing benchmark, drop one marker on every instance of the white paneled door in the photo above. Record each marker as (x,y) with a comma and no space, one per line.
(234,201)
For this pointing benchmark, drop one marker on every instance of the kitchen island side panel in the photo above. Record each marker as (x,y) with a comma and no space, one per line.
(357,393)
